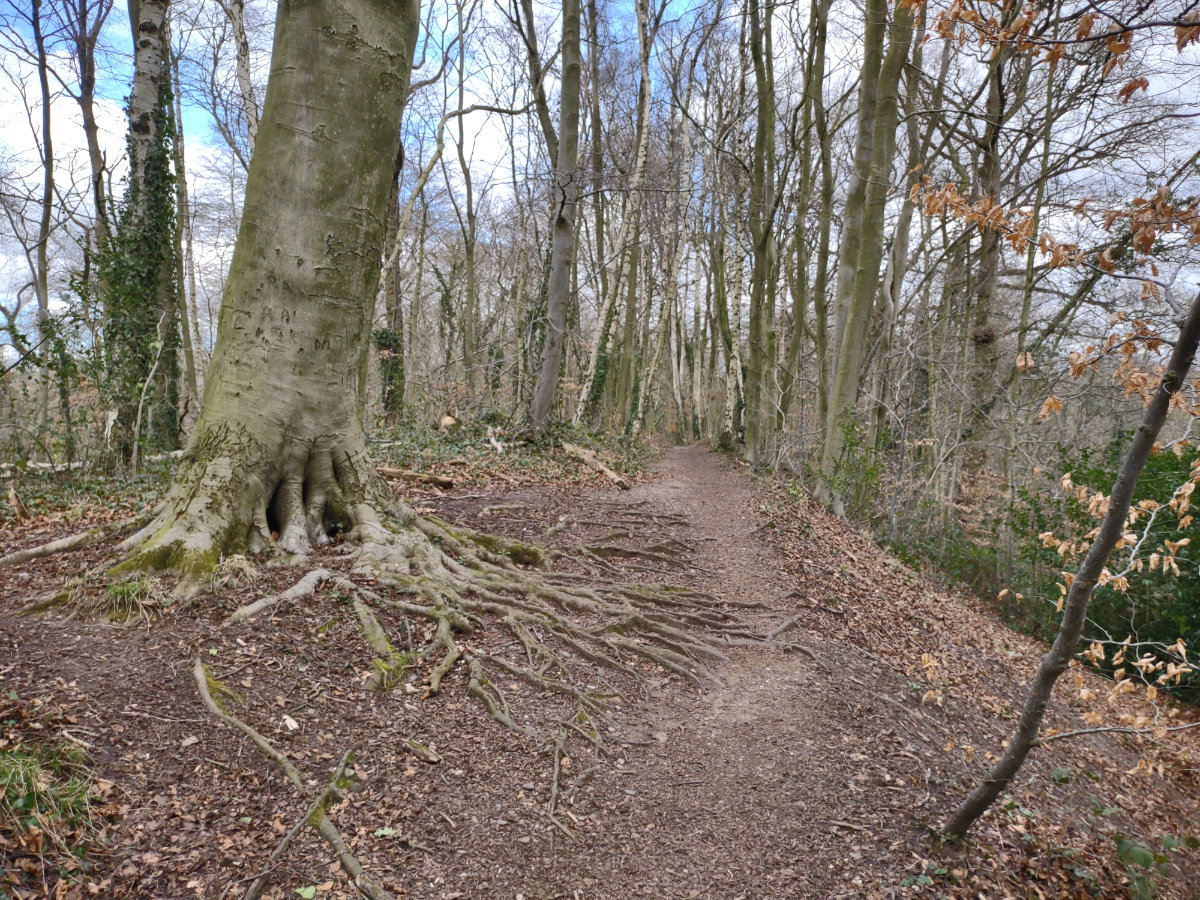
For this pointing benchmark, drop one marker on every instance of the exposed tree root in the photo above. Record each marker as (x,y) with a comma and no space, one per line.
(458,580)
(466,586)
(364,882)
(332,791)
(302,588)
(92,536)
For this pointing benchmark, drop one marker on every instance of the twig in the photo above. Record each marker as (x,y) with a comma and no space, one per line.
(837,823)
(441,481)
(137,422)
(1113,730)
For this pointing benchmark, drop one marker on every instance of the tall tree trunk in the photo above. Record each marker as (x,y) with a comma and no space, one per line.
(875,30)
(279,445)
(566,198)
(812,120)
(84,27)
(148,22)
(632,212)
(141,300)
(897,262)
(856,287)
(235,12)
(597,145)
(728,302)
(41,267)
(628,348)
(762,214)
(185,297)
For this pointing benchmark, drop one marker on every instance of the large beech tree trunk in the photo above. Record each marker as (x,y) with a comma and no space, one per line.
(279,446)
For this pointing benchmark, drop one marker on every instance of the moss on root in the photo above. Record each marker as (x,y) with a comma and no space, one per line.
(519,552)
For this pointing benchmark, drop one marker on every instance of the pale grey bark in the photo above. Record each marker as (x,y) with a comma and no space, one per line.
(633,208)
(566,199)
(279,445)
(235,12)
(185,276)
(147,21)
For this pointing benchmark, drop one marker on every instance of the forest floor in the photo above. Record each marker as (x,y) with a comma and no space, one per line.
(816,766)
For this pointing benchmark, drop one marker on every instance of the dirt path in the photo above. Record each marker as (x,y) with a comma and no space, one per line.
(759,786)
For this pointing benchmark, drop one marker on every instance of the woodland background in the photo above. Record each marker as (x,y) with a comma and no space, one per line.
(788,244)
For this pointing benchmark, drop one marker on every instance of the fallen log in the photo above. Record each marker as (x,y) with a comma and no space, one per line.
(592,461)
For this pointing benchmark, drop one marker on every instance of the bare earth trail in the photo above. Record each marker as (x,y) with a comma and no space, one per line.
(779,781)
(811,767)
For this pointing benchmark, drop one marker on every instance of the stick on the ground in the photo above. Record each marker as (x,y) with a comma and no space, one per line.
(364,882)
(441,481)
(332,792)
(592,461)
(87,538)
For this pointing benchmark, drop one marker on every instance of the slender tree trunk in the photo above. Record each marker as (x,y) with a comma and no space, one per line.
(875,29)
(566,198)
(729,306)
(897,262)
(597,145)
(812,108)
(41,267)
(1075,606)
(632,212)
(762,213)
(468,220)
(182,228)
(235,11)
(148,21)
(878,136)
(629,344)
(84,34)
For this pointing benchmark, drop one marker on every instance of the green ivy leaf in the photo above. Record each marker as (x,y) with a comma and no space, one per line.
(307,892)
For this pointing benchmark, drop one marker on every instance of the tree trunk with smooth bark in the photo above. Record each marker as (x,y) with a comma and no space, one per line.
(566,199)
(858,276)
(279,447)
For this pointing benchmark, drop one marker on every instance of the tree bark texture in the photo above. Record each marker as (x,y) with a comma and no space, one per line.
(566,200)
(279,448)
(856,287)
